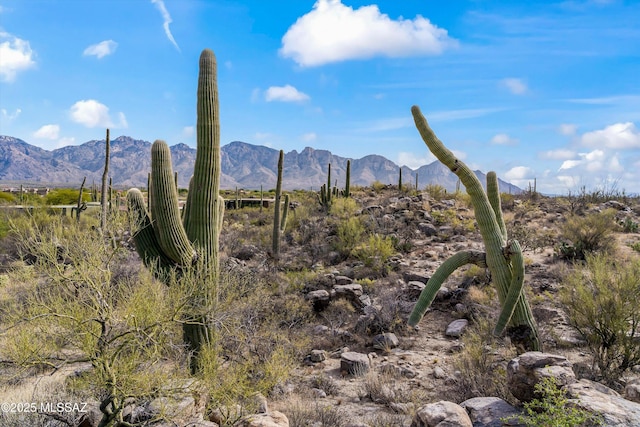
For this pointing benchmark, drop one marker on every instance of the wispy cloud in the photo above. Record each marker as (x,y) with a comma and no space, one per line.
(16,55)
(102,49)
(607,100)
(559,154)
(92,113)
(167,20)
(10,116)
(333,32)
(309,137)
(471,113)
(286,93)
(503,139)
(567,129)
(413,160)
(515,86)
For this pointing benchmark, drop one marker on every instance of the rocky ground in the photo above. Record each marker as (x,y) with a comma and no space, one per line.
(365,367)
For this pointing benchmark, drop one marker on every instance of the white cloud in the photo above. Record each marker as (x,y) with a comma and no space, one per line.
(102,49)
(567,129)
(519,173)
(559,154)
(414,161)
(286,93)
(92,113)
(309,137)
(570,164)
(15,56)
(515,86)
(333,32)
(48,132)
(10,116)
(616,136)
(167,20)
(503,139)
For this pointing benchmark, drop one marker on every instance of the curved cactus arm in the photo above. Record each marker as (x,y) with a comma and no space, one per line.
(514,252)
(485,215)
(493,194)
(164,207)
(144,237)
(435,282)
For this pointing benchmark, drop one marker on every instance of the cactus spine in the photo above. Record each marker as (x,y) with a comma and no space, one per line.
(194,239)
(275,244)
(503,258)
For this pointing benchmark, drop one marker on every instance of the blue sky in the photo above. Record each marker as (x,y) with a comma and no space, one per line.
(546,89)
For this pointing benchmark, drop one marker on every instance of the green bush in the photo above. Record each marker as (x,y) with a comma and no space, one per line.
(65,196)
(586,234)
(375,253)
(6,198)
(552,408)
(350,233)
(437,192)
(601,301)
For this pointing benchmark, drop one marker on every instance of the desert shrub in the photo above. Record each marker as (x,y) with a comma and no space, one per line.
(377,186)
(552,408)
(437,192)
(482,364)
(629,226)
(65,196)
(349,234)
(125,328)
(531,237)
(6,198)
(375,253)
(326,384)
(591,233)
(601,301)
(343,207)
(318,415)
(635,246)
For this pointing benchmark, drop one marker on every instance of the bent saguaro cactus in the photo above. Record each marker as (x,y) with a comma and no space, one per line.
(503,257)
(166,239)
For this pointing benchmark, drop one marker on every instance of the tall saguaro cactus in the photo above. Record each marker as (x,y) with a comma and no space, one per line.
(275,244)
(347,184)
(503,257)
(105,188)
(193,239)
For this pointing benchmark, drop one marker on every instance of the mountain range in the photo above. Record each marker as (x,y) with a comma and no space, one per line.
(243,165)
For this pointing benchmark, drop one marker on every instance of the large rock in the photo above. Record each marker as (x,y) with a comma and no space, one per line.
(526,370)
(598,399)
(441,414)
(489,411)
(353,363)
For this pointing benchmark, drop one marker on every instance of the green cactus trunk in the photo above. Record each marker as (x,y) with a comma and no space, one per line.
(190,241)
(503,259)
(400,180)
(80,206)
(285,213)
(275,244)
(105,188)
(347,185)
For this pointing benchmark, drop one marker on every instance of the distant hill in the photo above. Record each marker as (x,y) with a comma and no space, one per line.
(243,165)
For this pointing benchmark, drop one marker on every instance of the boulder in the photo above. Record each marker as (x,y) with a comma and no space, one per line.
(356,364)
(441,414)
(489,411)
(271,419)
(599,399)
(526,370)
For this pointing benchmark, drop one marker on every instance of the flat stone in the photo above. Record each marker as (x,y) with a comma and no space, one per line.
(456,328)
(385,341)
(489,411)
